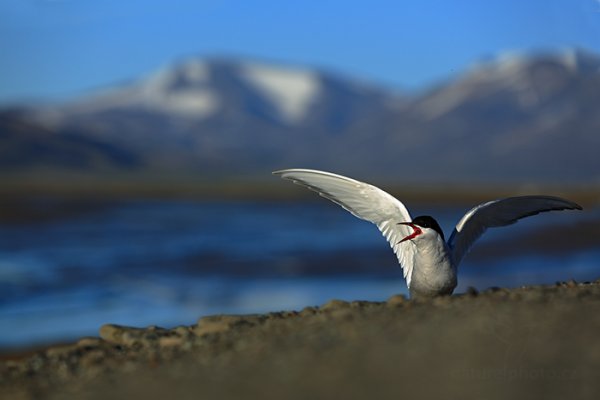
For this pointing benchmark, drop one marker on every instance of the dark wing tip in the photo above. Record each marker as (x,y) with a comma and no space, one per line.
(569,205)
(564,203)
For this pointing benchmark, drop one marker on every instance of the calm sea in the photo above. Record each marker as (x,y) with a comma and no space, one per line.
(169,262)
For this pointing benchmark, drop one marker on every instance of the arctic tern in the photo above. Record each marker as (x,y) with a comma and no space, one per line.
(428,262)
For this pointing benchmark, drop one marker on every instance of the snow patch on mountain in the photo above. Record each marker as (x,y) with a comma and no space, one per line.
(193,101)
(156,93)
(292,91)
(194,72)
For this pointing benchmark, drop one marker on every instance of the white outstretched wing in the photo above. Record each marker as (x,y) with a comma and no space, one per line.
(366,202)
(500,213)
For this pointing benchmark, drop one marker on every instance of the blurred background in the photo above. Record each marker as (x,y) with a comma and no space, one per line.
(137,140)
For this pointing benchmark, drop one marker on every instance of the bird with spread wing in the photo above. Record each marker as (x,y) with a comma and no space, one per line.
(429,263)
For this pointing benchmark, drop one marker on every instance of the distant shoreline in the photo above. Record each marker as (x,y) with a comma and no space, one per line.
(201,187)
(60,196)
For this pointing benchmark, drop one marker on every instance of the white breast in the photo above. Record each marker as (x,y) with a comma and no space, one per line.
(434,273)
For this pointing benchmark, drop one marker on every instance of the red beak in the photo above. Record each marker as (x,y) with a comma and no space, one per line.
(416,231)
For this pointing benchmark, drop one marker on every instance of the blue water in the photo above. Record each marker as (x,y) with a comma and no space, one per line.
(169,262)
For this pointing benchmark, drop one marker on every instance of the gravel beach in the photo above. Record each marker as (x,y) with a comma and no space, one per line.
(534,342)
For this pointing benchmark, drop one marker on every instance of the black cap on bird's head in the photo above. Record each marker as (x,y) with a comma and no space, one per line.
(423,221)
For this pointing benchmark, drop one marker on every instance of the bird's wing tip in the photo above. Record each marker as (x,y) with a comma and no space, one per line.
(572,205)
(294,170)
(284,171)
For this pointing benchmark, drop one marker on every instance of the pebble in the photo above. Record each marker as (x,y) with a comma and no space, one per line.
(131,336)
(113,334)
(363,304)
(89,342)
(344,313)
(222,323)
(183,331)
(306,311)
(334,305)
(396,300)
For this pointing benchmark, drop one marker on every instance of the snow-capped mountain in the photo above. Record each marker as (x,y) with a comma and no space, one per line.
(216,114)
(197,89)
(517,117)
(513,118)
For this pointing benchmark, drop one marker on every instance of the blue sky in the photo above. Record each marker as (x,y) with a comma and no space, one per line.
(61,48)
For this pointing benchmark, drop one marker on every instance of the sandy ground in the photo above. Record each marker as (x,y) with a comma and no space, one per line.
(533,342)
